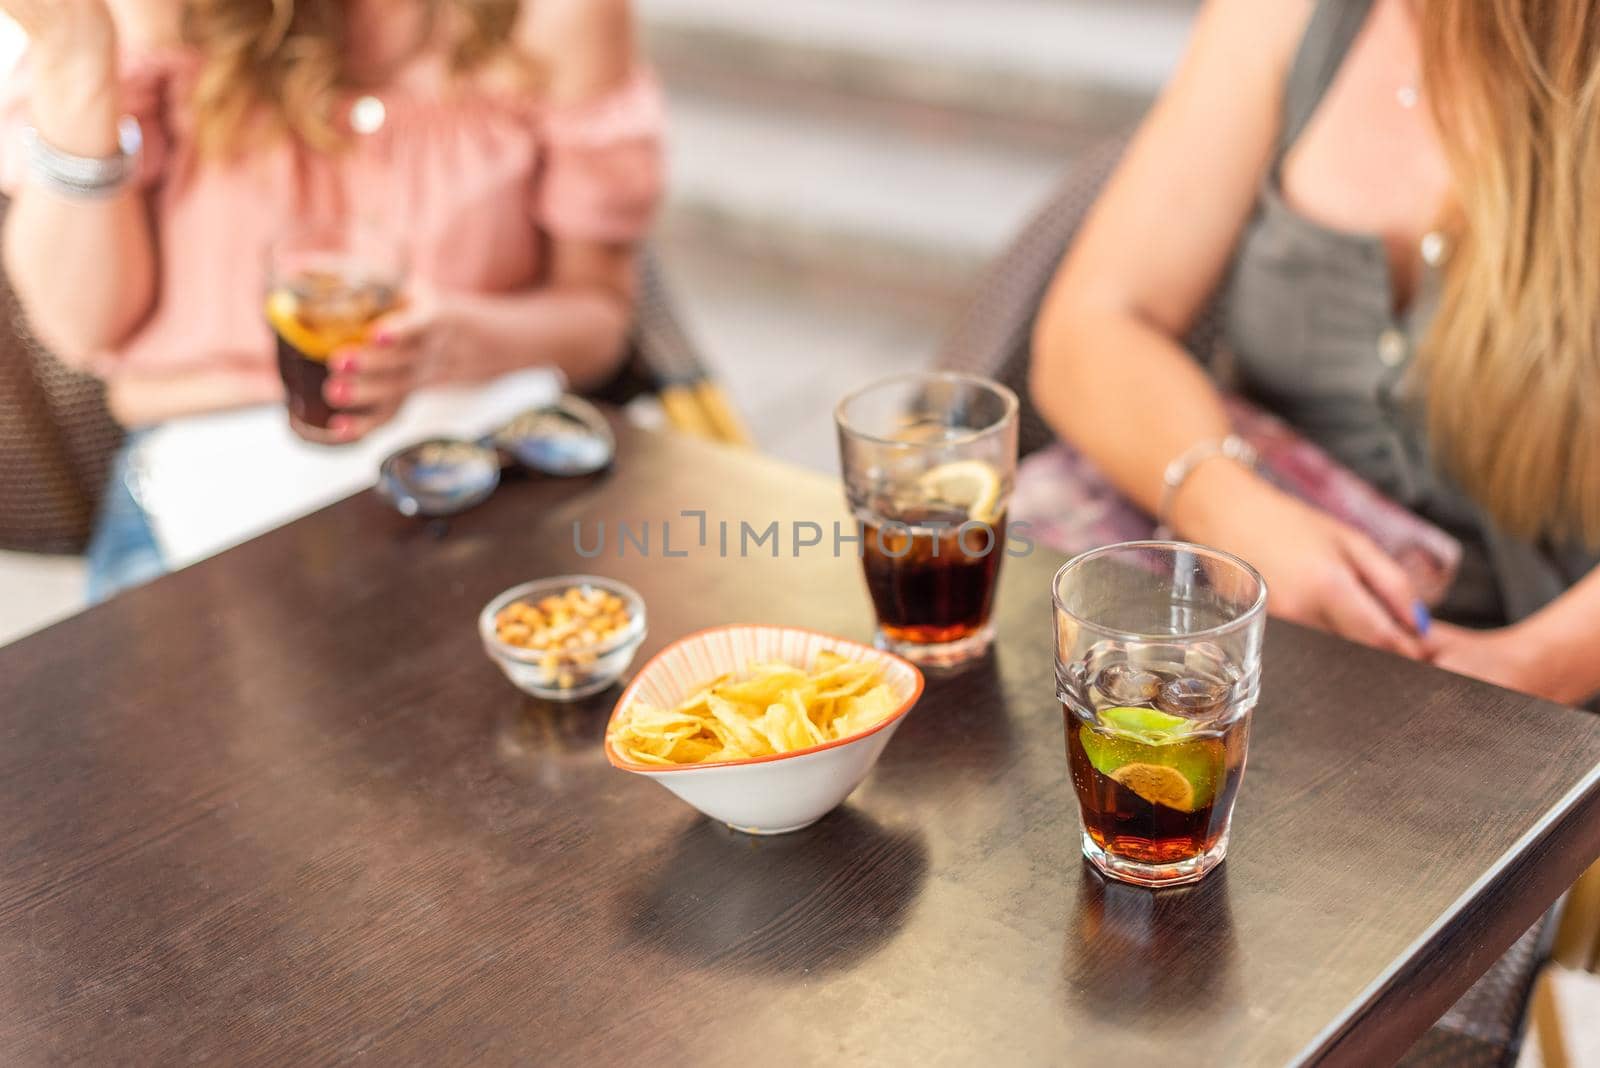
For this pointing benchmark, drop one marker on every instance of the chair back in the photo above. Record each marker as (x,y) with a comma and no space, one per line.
(57,439)
(664,362)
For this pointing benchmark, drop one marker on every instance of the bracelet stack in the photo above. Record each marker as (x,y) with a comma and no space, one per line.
(85,177)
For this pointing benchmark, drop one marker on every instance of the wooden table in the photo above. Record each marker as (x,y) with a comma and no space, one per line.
(279,808)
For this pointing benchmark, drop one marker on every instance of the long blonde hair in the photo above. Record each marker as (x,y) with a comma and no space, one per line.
(1511,366)
(282,62)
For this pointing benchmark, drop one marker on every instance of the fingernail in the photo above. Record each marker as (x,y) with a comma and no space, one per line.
(339,425)
(344,362)
(383,339)
(1421,618)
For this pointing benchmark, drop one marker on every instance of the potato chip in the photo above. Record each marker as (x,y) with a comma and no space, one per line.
(769,685)
(800,718)
(769,708)
(745,735)
(859,713)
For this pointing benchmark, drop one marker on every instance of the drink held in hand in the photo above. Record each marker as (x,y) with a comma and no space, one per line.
(1158,668)
(327,284)
(928,465)
(314,315)
(1156,752)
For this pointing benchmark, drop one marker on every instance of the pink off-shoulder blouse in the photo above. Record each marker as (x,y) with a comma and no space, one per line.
(481,179)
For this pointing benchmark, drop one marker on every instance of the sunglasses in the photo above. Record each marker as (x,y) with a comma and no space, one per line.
(568,438)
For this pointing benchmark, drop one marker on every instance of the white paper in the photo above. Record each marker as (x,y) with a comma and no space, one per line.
(212,481)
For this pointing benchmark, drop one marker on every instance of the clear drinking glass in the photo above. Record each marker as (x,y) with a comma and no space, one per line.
(327,283)
(929,461)
(1158,666)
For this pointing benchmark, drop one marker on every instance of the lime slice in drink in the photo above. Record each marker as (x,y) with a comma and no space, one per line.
(1152,754)
(1155,726)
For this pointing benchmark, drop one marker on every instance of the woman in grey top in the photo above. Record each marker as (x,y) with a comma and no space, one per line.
(1403,197)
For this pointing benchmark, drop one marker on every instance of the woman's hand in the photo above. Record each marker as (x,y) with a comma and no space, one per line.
(369,383)
(1319,572)
(1505,656)
(1520,657)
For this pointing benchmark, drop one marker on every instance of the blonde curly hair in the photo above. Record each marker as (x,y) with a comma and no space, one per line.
(281,62)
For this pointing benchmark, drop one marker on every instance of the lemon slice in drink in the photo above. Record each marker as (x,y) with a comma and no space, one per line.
(1158,784)
(969,484)
(283,312)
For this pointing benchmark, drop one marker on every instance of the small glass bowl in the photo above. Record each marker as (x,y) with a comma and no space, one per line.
(528,669)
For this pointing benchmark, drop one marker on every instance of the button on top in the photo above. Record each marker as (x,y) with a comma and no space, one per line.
(1435,247)
(1392,347)
(367,115)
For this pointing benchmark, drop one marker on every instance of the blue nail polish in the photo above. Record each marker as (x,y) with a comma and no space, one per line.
(1421,618)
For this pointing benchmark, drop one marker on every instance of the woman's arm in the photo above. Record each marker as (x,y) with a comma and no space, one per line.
(1554,653)
(576,322)
(84,269)
(1108,372)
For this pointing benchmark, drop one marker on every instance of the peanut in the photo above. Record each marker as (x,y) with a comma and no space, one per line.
(565,629)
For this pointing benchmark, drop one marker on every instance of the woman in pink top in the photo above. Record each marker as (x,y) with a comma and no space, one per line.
(518,141)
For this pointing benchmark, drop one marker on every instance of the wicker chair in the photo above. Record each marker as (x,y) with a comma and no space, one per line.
(56,441)
(665,363)
(993,338)
(57,437)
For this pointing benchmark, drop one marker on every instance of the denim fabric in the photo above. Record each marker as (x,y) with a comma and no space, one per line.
(122,548)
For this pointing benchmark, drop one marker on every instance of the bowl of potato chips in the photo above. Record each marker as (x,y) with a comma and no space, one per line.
(764,728)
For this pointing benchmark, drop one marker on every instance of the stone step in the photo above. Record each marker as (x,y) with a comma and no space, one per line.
(906,207)
(787,342)
(36,591)
(843,168)
(1012,65)
(898,139)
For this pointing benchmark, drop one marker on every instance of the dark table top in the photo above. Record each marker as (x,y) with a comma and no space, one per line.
(280,808)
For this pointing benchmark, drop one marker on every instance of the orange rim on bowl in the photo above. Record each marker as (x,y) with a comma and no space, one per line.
(841,645)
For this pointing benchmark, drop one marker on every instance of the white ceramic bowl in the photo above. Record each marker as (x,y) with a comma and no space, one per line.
(771,794)
(525,667)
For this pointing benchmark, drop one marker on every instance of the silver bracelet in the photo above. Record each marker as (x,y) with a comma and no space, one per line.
(1232,447)
(85,177)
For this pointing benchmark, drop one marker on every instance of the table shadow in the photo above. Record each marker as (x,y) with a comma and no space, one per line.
(1135,954)
(969,707)
(819,899)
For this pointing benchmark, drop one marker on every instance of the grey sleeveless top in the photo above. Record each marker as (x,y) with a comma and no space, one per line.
(1310,325)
